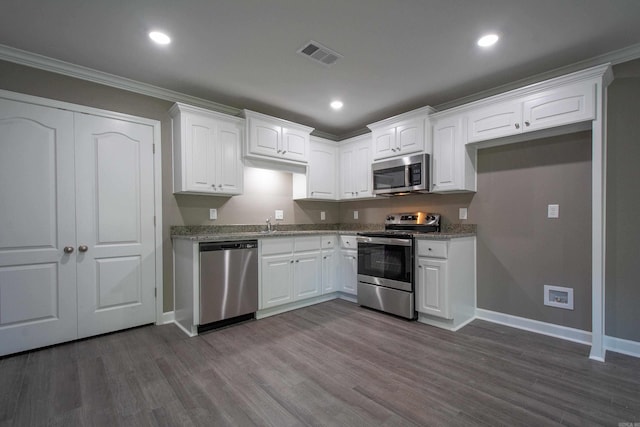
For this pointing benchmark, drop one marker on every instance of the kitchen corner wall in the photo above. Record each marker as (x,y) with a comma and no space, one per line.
(622,303)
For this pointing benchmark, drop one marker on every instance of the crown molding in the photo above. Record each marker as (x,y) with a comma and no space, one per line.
(35,60)
(619,56)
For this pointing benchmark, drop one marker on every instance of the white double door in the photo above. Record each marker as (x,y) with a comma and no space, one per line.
(77,236)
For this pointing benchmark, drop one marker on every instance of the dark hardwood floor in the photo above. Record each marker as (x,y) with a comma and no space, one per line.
(330,364)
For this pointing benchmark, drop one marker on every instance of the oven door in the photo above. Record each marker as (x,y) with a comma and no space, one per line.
(385,262)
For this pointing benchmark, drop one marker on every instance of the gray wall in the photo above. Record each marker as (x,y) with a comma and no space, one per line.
(622,306)
(519,249)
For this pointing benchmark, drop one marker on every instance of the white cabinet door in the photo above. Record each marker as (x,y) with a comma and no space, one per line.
(355,169)
(329,276)
(322,171)
(264,137)
(37,213)
(307,275)
(277,280)
(566,105)
(362,170)
(349,271)
(384,143)
(347,164)
(432,296)
(494,121)
(200,154)
(115,231)
(294,144)
(410,136)
(446,153)
(228,164)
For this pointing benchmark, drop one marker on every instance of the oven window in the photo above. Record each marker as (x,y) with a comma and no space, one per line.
(385,261)
(387,179)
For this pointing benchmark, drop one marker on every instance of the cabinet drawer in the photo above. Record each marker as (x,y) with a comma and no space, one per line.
(328,242)
(348,242)
(276,245)
(310,243)
(432,248)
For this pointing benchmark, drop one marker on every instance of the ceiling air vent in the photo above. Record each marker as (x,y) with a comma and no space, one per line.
(319,53)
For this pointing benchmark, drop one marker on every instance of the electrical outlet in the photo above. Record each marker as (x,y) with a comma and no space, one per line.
(323,216)
(553,211)
(213,214)
(279,214)
(355,214)
(462,213)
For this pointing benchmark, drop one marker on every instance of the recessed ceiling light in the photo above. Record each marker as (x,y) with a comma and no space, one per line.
(488,40)
(336,105)
(160,38)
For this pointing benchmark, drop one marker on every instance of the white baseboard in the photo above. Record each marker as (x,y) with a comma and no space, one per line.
(619,345)
(348,297)
(557,331)
(167,317)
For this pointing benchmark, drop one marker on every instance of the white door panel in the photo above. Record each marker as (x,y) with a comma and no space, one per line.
(114,210)
(37,279)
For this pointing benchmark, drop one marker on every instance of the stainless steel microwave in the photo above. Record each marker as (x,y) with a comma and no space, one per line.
(401,176)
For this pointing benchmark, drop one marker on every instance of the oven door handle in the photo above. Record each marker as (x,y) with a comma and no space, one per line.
(384,241)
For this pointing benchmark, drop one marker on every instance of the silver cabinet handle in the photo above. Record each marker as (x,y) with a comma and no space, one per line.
(527,123)
(517,125)
(83,248)
(291,261)
(68,249)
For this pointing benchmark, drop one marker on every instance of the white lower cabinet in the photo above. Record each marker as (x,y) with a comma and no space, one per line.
(446,281)
(291,270)
(329,265)
(348,265)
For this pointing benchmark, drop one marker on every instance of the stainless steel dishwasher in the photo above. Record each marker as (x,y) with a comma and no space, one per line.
(228,283)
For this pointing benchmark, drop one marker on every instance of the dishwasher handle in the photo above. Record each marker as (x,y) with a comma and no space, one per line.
(225,246)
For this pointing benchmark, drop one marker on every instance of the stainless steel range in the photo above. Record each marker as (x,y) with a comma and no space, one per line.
(385,263)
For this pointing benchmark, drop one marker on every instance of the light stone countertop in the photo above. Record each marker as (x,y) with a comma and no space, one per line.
(234,233)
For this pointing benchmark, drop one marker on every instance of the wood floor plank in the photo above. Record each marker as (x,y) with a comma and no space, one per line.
(330,364)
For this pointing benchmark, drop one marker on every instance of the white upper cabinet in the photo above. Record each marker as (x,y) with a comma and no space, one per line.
(547,108)
(401,135)
(321,180)
(276,139)
(207,152)
(355,168)
(494,121)
(453,163)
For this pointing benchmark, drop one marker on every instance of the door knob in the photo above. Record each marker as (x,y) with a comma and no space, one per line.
(68,249)
(83,248)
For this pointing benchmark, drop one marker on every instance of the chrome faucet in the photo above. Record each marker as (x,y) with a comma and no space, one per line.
(268,225)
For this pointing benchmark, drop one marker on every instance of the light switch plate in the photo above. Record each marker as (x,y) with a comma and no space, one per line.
(213,214)
(553,211)
(279,214)
(355,214)
(323,216)
(462,213)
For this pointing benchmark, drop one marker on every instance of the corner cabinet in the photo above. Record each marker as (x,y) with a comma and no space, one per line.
(356,180)
(453,163)
(446,282)
(400,135)
(271,138)
(207,156)
(320,182)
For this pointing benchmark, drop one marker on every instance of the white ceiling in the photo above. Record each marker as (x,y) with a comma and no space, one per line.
(398,55)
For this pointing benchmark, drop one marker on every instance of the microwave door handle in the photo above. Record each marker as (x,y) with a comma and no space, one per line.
(407,176)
